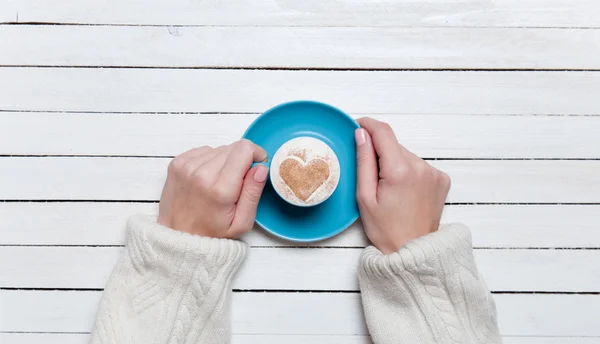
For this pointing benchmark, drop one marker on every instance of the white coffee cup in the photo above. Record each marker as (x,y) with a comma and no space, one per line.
(304,171)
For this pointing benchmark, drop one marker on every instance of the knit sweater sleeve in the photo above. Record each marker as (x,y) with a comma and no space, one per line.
(168,287)
(428,292)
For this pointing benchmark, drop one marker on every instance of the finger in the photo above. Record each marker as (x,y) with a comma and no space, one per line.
(384,139)
(241,157)
(179,163)
(378,126)
(390,152)
(412,156)
(245,211)
(366,167)
(196,163)
(194,153)
(217,160)
(207,169)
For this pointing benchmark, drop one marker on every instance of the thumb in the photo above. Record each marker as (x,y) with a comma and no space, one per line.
(252,188)
(366,168)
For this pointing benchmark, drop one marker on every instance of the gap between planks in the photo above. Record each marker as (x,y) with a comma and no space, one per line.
(200,113)
(293,245)
(20,337)
(75,24)
(288,291)
(171,157)
(308,69)
(157,201)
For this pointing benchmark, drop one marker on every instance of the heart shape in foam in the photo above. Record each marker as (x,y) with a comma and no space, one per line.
(304,178)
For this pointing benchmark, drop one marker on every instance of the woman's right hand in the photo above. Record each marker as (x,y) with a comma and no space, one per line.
(400,196)
(214,192)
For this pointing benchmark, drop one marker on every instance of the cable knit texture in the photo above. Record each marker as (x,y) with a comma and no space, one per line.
(428,292)
(172,287)
(168,287)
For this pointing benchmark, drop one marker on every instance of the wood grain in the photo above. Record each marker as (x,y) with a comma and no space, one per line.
(473,181)
(550,340)
(52,338)
(401,92)
(303,269)
(304,313)
(480,13)
(429,136)
(300,47)
(503,226)
(415,64)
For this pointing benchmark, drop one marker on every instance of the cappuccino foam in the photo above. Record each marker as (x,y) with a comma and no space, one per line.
(305,171)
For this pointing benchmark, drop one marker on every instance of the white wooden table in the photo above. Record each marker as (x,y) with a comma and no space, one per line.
(96,96)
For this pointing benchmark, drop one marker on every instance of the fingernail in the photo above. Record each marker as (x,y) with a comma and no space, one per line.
(261,174)
(360,136)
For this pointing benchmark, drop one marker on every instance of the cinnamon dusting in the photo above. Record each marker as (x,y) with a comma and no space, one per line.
(304,180)
(299,153)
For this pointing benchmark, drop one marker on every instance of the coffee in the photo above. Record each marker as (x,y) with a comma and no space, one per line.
(305,171)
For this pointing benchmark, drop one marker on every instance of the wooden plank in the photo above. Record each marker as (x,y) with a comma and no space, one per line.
(80,338)
(67,223)
(432,136)
(303,269)
(550,340)
(76,338)
(473,181)
(480,13)
(303,313)
(98,223)
(45,338)
(201,90)
(297,47)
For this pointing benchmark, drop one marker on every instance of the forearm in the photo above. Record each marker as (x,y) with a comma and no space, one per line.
(168,287)
(428,292)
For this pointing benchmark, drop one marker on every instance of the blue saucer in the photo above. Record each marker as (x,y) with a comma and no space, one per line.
(330,125)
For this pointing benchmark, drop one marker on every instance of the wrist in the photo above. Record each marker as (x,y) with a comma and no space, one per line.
(388,244)
(153,238)
(183,226)
(451,241)
(392,245)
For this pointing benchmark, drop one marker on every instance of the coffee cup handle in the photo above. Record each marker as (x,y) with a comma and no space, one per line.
(264,163)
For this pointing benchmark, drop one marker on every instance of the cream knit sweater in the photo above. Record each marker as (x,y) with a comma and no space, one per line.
(172,287)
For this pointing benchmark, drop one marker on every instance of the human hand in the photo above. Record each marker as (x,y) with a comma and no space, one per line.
(400,196)
(213,192)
